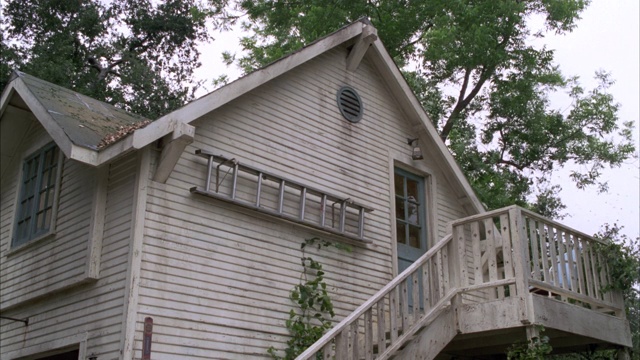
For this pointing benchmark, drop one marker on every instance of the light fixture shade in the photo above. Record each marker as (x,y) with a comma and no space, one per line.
(416,153)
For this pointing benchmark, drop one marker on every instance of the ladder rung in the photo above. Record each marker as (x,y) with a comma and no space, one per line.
(343,215)
(361,223)
(235,181)
(281,197)
(323,209)
(209,167)
(303,202)
(259,190)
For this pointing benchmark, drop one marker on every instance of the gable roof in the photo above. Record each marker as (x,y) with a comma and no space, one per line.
(79,124)
(177,122)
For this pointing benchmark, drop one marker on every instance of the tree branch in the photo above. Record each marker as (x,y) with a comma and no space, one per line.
(463,101)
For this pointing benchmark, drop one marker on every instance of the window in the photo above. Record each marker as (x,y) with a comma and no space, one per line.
(36,204)
(410,209)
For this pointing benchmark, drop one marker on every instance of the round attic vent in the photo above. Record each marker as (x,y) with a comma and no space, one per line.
(350,104)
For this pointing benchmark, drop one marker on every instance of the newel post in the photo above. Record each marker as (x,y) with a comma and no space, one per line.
(459,271)
(522,270)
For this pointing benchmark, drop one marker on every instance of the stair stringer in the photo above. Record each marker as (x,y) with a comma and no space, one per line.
(432,339)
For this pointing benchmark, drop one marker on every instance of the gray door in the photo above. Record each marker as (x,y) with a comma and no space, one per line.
(411,231)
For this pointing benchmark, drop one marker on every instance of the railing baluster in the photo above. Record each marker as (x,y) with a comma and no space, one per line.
(562,255)
(477,254)
(535,251)
(393,314)
(588,273)
(354,341)
(507,251)
(426,294)
(553,244)
(458,235)
(439,272)
(545,248)
(404,305)
(415,297)
(445,270)
(327,351)
(492,257)
(580,268)
(568,243)
(342,341)
(382,336)
(368,335)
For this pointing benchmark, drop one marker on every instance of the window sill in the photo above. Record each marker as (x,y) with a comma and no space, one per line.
(44,238)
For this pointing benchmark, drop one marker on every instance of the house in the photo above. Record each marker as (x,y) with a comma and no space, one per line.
(180,238)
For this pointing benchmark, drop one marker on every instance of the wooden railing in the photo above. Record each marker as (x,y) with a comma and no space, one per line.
(564,263)
(540,255)
(380,326)
(505,253)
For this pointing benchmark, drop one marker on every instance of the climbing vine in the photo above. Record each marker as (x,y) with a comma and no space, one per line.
(622,256)
(313,309)
(537,348)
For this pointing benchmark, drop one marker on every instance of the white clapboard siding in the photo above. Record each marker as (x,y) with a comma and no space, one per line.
(53,264)
(216,277)
(96,308)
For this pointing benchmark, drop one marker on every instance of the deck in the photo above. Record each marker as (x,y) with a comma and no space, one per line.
(496,279)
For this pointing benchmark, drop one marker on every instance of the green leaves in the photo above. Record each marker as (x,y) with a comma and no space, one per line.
(484,84)
(314,309)
(139,55)
(537,348)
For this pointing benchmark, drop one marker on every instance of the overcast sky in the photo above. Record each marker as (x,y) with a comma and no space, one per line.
(607,38)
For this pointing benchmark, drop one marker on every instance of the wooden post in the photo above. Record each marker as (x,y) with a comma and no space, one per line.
(520,262)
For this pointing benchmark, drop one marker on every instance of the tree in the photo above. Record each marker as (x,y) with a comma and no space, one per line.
(139,55)
(483,83)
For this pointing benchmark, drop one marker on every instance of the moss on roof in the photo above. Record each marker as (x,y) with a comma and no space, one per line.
(86,121)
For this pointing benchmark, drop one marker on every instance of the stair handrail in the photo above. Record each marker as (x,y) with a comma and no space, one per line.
(347,321)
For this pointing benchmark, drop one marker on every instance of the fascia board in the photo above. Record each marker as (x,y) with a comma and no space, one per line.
(217,98)
(58,135)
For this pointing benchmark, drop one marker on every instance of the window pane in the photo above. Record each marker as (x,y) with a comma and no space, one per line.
(402,233)
(398,185)
(413,213)
(399,208)
(414,236)
(413,189)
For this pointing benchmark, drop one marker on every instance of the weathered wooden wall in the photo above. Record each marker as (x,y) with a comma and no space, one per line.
(48,281)
(215,277)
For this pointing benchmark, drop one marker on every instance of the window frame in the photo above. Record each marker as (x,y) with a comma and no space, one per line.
(54,171)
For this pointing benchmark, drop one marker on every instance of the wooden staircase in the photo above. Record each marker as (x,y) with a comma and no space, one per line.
(503,271)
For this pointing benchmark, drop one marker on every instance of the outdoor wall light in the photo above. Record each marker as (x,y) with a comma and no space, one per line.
(416,152)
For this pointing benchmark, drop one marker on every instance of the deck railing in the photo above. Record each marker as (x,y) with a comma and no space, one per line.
(509,252)
(542,257)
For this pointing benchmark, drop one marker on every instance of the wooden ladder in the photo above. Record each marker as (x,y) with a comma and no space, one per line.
(346,218)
